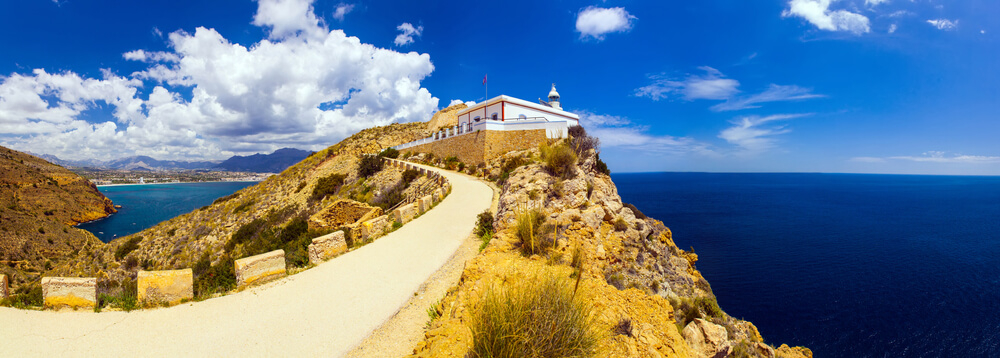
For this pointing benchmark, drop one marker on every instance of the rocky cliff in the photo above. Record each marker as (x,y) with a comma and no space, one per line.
(645,294)
(39,204)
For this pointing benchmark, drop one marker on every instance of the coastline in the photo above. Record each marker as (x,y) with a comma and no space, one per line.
(182,182)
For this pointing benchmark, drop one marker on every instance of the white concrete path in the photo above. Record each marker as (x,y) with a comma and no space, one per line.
(323,311)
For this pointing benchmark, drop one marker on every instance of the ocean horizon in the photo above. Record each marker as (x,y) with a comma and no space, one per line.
(849,265)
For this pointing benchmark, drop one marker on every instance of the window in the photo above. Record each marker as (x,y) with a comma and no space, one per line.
(522,117)
(477,119)
(494,116)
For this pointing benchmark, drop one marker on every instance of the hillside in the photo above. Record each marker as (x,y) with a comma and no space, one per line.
(39,204)
(275,162)
(268,215)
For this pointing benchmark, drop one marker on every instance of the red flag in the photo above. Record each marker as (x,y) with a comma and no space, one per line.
(484,80)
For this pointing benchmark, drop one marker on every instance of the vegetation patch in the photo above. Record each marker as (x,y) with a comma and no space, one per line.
(26,295)
(538,317)
(327,185)
(124,249)
(369,165)
(559,160)
(389,153)
(533,232)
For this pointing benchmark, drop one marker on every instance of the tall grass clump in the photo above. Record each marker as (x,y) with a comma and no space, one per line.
(533,232)
(537,317)
(559,159)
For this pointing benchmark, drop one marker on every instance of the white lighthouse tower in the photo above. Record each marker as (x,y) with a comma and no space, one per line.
(554,98)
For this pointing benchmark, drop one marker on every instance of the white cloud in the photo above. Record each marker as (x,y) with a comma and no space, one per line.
(753,134)
(875,2)
(342,10)
(595,22)
(407,32)
(619,132)
(774,93)
(458,101)
(943,24)
(295,91)
(892,28)
(868,160)
(711,85)
(818,13)
(288,18)
(943,157)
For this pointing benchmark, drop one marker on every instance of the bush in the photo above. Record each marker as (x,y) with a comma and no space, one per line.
(244,206)
(635,211)
(124,249)
(484,223)
(538,317)
(620,224)
(389,198)
(409,176)
(451,162)
(327,185)
(26,295)
(533,232)
(581,142)
(217,278)
(389,153)
(559,160)
(123,298)
(368,166)
(601,166)
(226,198)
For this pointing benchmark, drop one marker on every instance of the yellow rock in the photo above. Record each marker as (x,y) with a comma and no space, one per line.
(165,286)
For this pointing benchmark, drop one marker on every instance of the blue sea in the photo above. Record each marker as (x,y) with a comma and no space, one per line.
(144,206)
(847,265)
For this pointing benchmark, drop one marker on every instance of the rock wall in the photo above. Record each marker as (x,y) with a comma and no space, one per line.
(170,287)
(343,212)
(263,267)
(482,146)
(69,292)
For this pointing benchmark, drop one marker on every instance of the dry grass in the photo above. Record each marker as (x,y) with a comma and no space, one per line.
(537,317)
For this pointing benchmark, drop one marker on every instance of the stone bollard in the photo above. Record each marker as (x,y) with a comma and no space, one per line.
(425,203)
(260,268)
(374,227)
(438,195)
(3,287)
(326,247)
(171,287)
(405,213)
(70,292)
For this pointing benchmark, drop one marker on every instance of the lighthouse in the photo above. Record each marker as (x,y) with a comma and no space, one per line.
(554,98)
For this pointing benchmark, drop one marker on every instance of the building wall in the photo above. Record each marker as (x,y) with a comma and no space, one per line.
(480,146)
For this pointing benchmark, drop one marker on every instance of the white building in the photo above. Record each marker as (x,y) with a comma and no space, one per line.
(509,113)
(505,113)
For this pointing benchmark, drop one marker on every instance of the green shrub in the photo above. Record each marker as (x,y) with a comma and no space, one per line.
(226,198)
(484,223)
(620,224)
(244,206)
(369,165)
(218,278)
(533,232)
(327,185)
(409,176)
(26,295)
(124,249)
(601,166)
(389,198)
(559,160)
(537,317)
(123,296)
(389,153)
(301,186)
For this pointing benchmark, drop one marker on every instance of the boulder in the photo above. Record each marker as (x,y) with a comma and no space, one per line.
(260,268)
(327,246)
(165,286)
(706,337)
(69,292)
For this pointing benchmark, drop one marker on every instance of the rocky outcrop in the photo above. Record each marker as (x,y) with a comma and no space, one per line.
(447,117)
(633,274)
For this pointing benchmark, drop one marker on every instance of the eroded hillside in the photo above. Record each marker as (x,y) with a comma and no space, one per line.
(39,204)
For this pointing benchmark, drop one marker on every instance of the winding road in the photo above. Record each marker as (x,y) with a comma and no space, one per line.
(323,311)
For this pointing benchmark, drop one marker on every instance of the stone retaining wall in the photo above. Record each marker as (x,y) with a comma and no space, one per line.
(169,287)
(482,146)
(327,246)
(260,268)
(69,292)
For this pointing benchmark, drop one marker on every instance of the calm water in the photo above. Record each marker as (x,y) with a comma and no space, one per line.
(144,206)
(847,265)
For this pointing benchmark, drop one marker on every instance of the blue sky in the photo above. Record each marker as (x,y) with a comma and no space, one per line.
(864,86)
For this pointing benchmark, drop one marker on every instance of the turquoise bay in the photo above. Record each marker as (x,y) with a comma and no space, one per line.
(144,206)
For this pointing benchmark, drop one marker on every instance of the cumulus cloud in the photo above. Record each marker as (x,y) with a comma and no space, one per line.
(711,85)
(342,10)
(406,33)
(755,134)
(943,24)
(818,13)
(595,22)
(774,93)
(307,87)
(620,132)
(892,28)
(458,101)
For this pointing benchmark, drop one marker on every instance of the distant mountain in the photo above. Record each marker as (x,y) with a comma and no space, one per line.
(275,162)
(144,162)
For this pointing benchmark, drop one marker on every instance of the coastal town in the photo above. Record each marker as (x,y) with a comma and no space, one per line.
(119,176)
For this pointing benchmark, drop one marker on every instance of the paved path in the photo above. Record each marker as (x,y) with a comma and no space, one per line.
(323,311)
